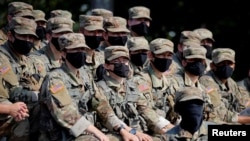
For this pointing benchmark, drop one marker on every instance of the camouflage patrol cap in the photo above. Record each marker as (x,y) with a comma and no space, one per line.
(60,24)
(71,41)
(60,13)
(194,51)
(137,43)
(204,33)
(39,15)
(113,52)
(20,9)
(223,54)
(139,12)
(91,23)
(105,13)
(116,24)
(161,45)
(188,93)
(189,36)
(23,26)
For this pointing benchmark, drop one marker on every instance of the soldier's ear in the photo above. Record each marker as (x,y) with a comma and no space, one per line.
(183,62)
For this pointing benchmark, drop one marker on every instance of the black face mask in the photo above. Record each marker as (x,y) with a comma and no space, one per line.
(192,115)
(41,32)
(22,47)
(223,72)
(162,64)
(209,51)
(140,29)
(93,41)
(195,68)
(138,59)
(117,41)
(55,42)
(121,69)
(76,59)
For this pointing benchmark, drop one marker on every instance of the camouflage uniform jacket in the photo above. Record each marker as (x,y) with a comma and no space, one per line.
(18,75)
(244,85)
(39,45)
(3,34)
(179,134)
(226,98)
(179,81)
(92,62)
(130,105)
(177,60)
(61,94)
(45,54)
(155,90)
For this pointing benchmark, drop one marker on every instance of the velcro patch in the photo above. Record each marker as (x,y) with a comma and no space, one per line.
(143,87)
(4,69)
(56,88)
(210,90)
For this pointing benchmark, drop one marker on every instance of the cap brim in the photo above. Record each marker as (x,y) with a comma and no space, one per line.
(40,19)
(193,97)
(138,48)
(77,46)
(195,57)
(62,30)
(137,17)
(25,32)
(166,49)
(91,28)
(118,30)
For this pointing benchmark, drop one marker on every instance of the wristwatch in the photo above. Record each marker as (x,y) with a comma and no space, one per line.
(120,128)
(132,131)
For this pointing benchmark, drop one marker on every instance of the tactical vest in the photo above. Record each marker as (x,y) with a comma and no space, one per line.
(47,123)
(125,109)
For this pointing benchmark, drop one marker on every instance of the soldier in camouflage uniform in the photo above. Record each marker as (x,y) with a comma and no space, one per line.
(127,102)
(61,94)
(40,29)
(151,80)
(116,31)
(138,49)
(51,54)
(189,104)
(207,41)
(226,96)
(186,36)
(28,73)
(92,28)
(15,9)
(244,86)
(139,21)
(105,13)
(194,63)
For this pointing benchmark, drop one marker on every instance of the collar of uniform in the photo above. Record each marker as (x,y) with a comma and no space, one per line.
(157,83)
(111,82)
(8,47)
(48,52)
(188,81)
(75,77)
(217,80)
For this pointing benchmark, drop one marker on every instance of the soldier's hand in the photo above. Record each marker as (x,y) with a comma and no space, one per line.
(143,136)
(128,136)
(19,111)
